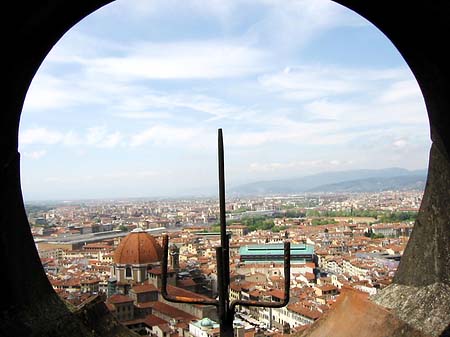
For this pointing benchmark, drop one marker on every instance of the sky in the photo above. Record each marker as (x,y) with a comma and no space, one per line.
(128,103)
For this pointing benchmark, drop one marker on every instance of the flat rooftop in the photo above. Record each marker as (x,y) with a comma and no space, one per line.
(94,237)
(271,249)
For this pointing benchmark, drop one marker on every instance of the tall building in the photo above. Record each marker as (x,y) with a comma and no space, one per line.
(174,257)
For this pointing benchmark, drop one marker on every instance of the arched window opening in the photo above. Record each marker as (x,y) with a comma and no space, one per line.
(325,127)
(128,272)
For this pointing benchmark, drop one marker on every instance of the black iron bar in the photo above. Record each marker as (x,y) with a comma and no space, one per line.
(224,239)
(225,319)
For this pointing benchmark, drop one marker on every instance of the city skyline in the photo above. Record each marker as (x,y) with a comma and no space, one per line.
(129,101)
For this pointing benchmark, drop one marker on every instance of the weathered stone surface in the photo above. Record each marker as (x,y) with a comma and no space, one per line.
(427,308)
(426,259)
(48,317)
(51,318)
(354,315)
(97,318)
(419,29)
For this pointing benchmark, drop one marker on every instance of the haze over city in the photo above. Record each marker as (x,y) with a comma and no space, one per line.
(129,101)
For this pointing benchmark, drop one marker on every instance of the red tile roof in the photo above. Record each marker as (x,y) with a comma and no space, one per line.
(138,248)
(117,298)
(277,293)
(143,288)
(152,320)
(172,312)
(299,309)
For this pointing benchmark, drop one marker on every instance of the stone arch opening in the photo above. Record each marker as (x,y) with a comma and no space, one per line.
(330,102)
(419,36)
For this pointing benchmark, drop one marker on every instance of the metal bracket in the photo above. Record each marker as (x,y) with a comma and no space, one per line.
(226,310)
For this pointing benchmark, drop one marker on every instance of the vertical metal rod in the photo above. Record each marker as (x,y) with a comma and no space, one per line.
(222,216)
(287,272)
(223,252)
(223,222)
(220,286)
(223,310)
(164,265)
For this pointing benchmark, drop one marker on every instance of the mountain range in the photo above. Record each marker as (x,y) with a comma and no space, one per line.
(366,180)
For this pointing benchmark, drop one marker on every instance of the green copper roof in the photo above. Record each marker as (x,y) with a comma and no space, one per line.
(270,249)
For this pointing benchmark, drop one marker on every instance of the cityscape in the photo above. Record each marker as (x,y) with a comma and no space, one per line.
(331,214)
(327,143)
(110,250)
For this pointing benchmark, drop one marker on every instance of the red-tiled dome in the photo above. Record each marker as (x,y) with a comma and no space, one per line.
(138,247)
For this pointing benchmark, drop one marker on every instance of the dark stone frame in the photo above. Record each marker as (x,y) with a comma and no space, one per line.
(419,30)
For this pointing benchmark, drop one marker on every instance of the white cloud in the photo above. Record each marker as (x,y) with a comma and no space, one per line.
(99,136)
(291,133)
(299,166)
(143,115)
(131,174)
(35,154)
(76,47)
(181,60)
(111,140)
(104,177)
(166,135)
(311,82)
(71,138)
(117,81)
(400,143)
(173,104)
(286,24)
(68,180)
(96,136)
(48,92)
(40,136)
(400,91)
(291,25)
(158,89)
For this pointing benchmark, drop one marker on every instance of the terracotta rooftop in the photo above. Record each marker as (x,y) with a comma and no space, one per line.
(138,247)
(145,305)
(186,283)
(172,312)
(277,293)
(354,315)
(117,298)
(143,288)
(152,320)
(175,291)
(327,287)
(299,309)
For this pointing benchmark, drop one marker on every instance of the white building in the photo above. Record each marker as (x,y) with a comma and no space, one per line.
(204,328)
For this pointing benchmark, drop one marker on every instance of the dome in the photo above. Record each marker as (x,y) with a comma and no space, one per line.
(206,322)
(138,247)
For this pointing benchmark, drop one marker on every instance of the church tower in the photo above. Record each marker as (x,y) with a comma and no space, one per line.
(175,257)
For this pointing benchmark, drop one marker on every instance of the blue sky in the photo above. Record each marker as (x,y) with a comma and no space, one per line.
(128,103)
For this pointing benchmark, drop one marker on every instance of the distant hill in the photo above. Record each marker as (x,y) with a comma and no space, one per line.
(342,181)
(379,184)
